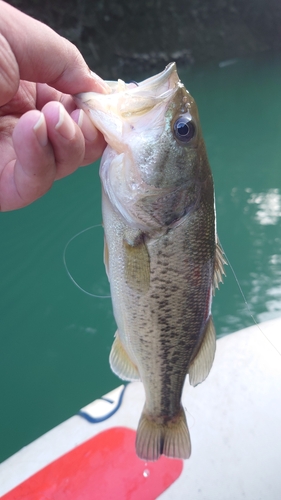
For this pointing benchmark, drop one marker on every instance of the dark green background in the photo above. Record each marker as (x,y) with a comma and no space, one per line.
(55,340)
(116,36)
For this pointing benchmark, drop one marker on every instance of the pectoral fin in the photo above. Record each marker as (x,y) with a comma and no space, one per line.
(120,362)
(201,365)
(218,269)
(137,263)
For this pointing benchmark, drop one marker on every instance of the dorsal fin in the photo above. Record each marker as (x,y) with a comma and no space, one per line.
(219,266)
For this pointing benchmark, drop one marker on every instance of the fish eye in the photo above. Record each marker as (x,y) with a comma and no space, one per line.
(184,129)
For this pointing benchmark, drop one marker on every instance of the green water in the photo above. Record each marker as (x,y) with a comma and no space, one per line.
(55,340)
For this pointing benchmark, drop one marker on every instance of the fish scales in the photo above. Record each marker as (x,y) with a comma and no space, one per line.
(161,251)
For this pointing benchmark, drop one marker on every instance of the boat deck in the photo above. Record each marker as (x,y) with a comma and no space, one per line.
(234,420)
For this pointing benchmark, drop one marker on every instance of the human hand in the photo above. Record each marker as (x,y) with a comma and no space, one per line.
(43,136)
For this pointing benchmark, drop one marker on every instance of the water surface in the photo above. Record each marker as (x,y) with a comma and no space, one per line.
(55,340)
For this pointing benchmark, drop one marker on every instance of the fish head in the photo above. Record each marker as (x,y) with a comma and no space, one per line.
(153,135)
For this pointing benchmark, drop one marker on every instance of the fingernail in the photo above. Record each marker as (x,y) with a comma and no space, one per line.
(40,130)
(65,125)
(101,83)
(88,129)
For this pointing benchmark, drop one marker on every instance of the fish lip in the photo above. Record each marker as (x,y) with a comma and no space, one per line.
(156,84)
(168,75)
(109,112)
(151,82)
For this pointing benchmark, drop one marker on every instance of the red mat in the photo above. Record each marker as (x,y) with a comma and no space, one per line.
(104,467)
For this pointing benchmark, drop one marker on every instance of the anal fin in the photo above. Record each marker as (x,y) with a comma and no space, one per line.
(201,364)
(120,362)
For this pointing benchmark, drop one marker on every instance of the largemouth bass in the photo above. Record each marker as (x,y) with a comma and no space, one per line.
(161,252)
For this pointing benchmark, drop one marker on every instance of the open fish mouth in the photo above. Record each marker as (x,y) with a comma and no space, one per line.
(155,85)
(128,101)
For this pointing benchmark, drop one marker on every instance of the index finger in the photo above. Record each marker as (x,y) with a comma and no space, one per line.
(30,50)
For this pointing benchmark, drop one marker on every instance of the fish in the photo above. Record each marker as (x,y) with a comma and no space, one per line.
(161,251)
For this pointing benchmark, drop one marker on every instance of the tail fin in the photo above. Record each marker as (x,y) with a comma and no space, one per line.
(168,438)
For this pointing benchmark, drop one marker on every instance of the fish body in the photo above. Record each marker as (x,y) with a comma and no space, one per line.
(161,252)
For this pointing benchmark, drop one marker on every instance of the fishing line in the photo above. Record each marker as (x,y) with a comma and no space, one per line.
(67,270)
(190,424)
(246,302)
